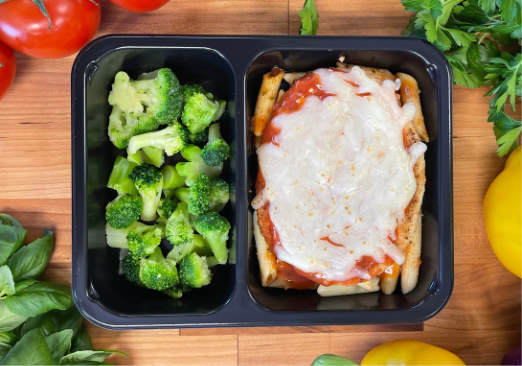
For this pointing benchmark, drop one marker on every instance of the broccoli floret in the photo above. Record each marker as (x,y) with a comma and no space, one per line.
(171,178)
(150,155)
(190,89)
(219,195)
(154,96)
(158,273)
(130,267)
(194,272)
(201,246)
(149,183)
(119,178)
(117,238)
(180,251)
(200,109)
(199,195)
(122,126)
(214,228)
(123,211)
(171,139)
(178,229)
(195,166)
(199,138)
(182,194)
(216,151)
(143,242)
(166,208)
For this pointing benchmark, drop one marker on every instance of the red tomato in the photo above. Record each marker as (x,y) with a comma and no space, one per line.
(24,27)
(139,5)
(7,68)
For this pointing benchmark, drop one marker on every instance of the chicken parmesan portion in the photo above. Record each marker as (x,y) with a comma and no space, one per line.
(336,176)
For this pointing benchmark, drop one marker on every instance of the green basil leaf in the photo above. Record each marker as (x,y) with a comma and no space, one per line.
(332,360)
(31,349)
(59,343)
(309,19)
(4,349)
(488,6)
(84,357)
(19,286)
(7,339)
(40,298)
(7,285)
(11,238)
(81,341)
(9,220)
(55,321)
(8,319)
(413,5)
(30,260)
(44,321)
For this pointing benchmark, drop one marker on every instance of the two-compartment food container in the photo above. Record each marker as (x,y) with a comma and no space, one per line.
(232,68)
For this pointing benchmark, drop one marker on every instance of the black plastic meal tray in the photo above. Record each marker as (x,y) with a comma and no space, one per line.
(232,67)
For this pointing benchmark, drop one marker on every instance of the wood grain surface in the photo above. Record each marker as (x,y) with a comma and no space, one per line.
(482,319)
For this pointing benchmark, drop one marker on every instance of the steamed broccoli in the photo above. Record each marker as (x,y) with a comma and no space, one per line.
(199,138)
(194,272)
(148,154)
(171,139)
(182,194)
(214,228)
(199,195)
(219,195)
(117,238)
(178,229)
(119,178)
(123,211)
(155,95)
(195,166)
(158,273)
(142,242)
(166,208)
(122,126)
(171,178)
(200,109)
(196,245)
(190,89)
(130,267)
(149,183)
(216,151)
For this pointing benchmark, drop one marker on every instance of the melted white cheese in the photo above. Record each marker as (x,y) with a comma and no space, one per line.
(340,171)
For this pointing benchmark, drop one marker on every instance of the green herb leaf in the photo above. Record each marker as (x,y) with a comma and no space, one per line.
(59,343)
(85,357)
(31,349)
(488,6)
(40,298)
(12,236)
(55,321)
(413,5)
(30,261)
(309,18)
(7,339)
(8,319)
(7,285)
(332,360)
(81,341)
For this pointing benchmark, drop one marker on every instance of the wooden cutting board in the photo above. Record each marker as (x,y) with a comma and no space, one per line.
(482,319)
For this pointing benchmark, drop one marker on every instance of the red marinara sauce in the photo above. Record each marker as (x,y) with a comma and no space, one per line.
(292,101)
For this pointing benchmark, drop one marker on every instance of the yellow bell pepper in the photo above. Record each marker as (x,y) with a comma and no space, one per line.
(409,352)
(502,213)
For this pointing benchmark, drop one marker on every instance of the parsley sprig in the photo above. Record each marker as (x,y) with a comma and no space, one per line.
(481,40)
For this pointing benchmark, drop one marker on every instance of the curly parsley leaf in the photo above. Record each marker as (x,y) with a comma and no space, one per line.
(470,33)
(309,19)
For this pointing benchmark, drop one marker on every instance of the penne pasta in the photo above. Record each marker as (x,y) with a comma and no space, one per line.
(410,94)
(266,99)
(390,278)
(290,77)
(339,290)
